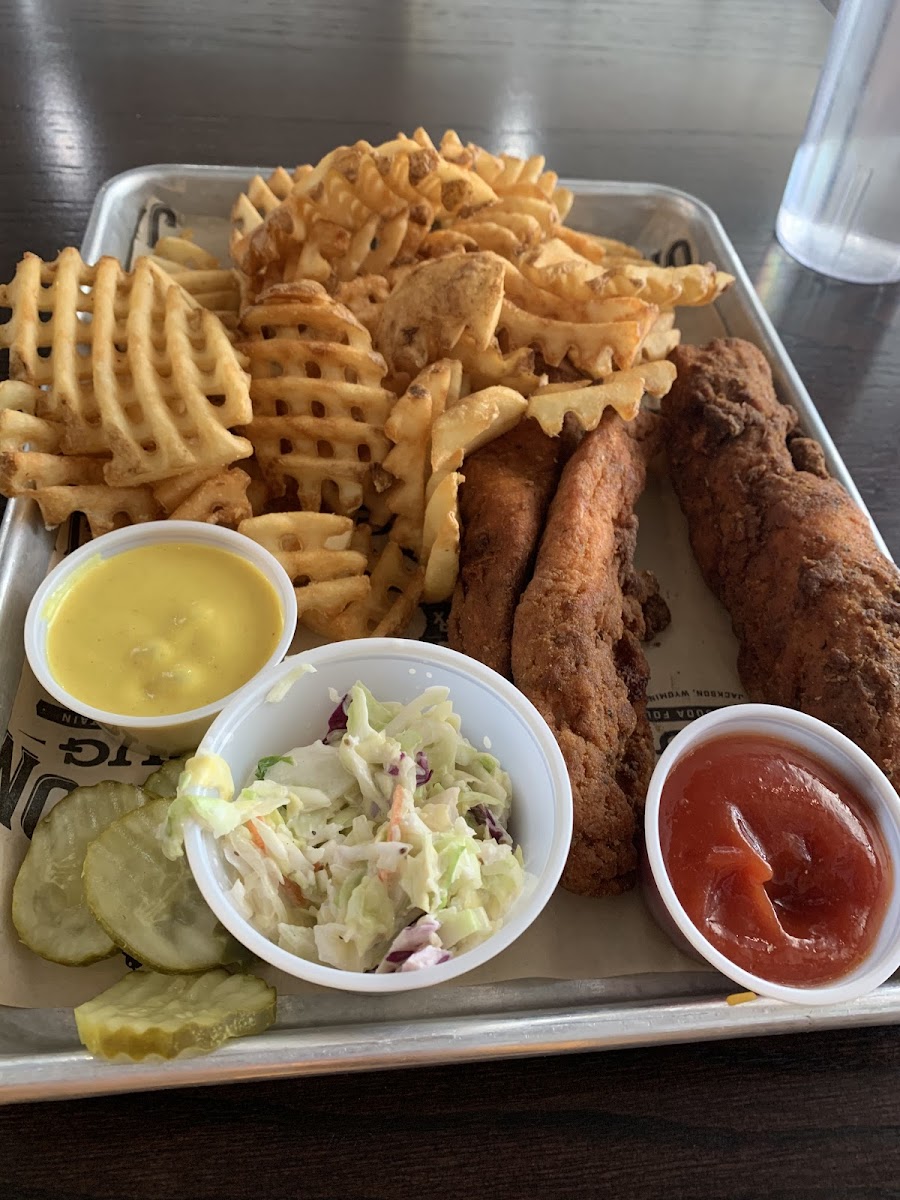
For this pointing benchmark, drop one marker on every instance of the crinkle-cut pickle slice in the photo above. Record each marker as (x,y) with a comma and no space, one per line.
(149,1015)
(148,904)
(164,780)
(49,909)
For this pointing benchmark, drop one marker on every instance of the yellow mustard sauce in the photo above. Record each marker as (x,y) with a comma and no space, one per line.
(162,629)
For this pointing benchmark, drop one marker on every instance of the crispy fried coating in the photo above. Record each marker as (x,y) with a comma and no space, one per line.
(576,648)
(503,502)
(815,605)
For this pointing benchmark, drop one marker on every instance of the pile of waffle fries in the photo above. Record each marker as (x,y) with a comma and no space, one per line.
(389,311)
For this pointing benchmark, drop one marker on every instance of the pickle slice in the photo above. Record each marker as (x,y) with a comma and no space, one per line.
(149,1015)
(149,905)
(164,780)
(49,909)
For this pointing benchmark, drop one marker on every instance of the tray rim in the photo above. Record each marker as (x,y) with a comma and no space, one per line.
(448,1039)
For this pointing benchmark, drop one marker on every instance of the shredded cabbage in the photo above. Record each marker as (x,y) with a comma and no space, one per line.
(383,847)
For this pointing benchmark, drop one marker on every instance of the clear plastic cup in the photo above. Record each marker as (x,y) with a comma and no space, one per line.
(840,213)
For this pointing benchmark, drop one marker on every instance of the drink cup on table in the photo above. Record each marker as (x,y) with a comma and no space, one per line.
(839,214)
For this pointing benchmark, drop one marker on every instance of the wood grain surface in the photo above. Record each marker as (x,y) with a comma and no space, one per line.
(706,95)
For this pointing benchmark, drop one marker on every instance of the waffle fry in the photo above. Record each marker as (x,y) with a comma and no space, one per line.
(22,431)
(320,409)
(595,347)
(440,540)
(213,287)
(365,297)
(253,206)
(623,391)
(359,211)
(662,339)
(408,461)
(22,472)
(315,550)
(171,493)
(219,500)
(128,365)
(472,423)
(105,508)
(435,305)
(581,284)
(596,249)
(508,175)
(470,305)
(395,588)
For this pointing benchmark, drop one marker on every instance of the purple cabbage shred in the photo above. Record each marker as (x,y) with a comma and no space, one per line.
(412,948)
(337,723)
(423,771)
(485,817)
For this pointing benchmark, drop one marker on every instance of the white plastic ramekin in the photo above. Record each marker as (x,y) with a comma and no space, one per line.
(864,778)
(494,715)
(175,732)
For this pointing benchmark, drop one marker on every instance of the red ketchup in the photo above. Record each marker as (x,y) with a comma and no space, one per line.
(774,858)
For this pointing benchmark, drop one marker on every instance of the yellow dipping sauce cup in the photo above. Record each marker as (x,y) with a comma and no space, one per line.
(150,630)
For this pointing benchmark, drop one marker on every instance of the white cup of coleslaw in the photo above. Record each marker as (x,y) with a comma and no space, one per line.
(282,708)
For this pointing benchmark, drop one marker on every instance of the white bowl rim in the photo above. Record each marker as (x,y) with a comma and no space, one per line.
(709,727)
(118,541)
(199,844)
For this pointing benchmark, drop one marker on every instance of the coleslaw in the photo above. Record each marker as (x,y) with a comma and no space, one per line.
(382,847)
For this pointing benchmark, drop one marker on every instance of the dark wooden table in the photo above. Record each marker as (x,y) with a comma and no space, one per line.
(707,95)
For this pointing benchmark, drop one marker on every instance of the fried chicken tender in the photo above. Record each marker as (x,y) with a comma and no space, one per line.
(503,502)
(576,648)
(814,604)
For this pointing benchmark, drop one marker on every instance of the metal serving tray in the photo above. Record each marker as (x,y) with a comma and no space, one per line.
(40,1057)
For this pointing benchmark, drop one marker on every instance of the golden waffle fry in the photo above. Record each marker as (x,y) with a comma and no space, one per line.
(359,211)
(581,284)
(395,588)
(319,406)
(253,206)
(182,251)
(216,291)
(596,249)
(105,508)
(473,422)
(438,302)
(21,472)
(315,550)
(491,367)
(170,493)
(408,461)
(593,347)
(21,431)
(622,391)
(50,335)
(440,540)
(689,286)
(510,235)
(128,364)
(662,338)
(365,297)
(17,396)
(219,500)
(508,175)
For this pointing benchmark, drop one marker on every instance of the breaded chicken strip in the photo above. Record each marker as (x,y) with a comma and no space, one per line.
(815,605)
(502,504)
(576,651)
